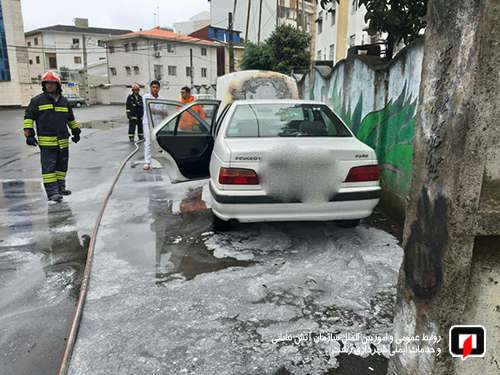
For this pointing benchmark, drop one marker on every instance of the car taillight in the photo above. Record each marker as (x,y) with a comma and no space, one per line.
(238,176)
(363,173)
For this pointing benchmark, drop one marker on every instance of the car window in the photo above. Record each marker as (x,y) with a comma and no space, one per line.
(285,120)
(220,119)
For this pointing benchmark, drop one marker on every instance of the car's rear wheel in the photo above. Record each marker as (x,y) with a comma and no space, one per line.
(220,225)
(348,223)
(78,105)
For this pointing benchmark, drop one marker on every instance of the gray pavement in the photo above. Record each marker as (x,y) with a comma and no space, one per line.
(43,246)
(167,294)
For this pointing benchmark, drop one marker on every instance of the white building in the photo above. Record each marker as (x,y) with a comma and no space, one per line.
(60,46)
(196,22)
(274,12)
(14,74)
(163,55)
(339,27)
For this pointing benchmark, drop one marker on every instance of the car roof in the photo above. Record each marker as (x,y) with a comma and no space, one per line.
(276,101)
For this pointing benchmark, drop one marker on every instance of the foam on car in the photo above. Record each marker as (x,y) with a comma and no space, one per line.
(300,174)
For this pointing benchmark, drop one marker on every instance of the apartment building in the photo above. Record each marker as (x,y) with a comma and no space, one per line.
(14,73)
(63,47)
(258,19)
(339,27)
(163,55)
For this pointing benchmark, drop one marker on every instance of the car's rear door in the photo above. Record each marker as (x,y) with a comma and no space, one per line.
(186,138)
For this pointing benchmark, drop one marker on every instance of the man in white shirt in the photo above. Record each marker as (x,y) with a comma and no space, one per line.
(156,114)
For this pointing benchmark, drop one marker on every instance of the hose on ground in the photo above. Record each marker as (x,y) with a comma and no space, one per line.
(75,323)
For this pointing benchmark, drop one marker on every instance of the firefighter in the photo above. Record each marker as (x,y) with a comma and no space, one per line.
(135,111)
(50,114)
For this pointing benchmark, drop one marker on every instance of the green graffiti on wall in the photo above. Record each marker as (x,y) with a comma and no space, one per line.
(389,131)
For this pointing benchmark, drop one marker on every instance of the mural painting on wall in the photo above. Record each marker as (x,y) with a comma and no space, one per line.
(389,131)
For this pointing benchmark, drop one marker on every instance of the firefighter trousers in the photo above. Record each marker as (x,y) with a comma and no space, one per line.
(54,160)
(132,124)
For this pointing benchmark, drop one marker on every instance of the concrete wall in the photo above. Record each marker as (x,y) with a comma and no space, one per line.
(379,103)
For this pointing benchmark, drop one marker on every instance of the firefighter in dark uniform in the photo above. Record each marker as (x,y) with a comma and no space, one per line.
(135,111)
(50,114)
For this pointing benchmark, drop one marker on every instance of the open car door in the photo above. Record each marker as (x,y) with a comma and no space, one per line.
(184,140)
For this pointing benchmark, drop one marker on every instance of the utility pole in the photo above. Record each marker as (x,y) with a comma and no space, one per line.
(191,69)
(297,13)
(450,253)
(260,21)
(248,20)
(277,12)
(85,80)
(231,45)
(303,17)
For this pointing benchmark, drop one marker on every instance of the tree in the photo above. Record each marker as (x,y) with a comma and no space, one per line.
(286,50)
(402,20)
(290,49)
(256,57)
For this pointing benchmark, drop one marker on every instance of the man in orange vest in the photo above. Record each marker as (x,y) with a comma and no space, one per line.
(187,122)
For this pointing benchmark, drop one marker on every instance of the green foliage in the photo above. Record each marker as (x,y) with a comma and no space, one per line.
(402,20)
(256,57)
(286,50)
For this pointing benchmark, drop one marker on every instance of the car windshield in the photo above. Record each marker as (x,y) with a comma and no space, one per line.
(285,120)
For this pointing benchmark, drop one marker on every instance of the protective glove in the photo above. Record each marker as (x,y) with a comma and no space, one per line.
(76,135)
(31,140)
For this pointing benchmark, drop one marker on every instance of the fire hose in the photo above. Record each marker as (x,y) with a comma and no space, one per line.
(75,323)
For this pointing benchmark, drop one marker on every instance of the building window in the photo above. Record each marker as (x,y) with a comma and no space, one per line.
(320,22)
(204,72)
(78,60)
(334,15)
(156,46)
(37,59)
(113,71)
(76,43)
(36,41)
(188,71)
(29,44)
(136,70)
(52,62)
(100,43)
(170,48)
(318,55)
(158,72)
(128,70)
(203,51)
(332,52)
(354,6)
(172,70)
(111,49)
(126,47)
(352,40)
(134,46)
(31,62)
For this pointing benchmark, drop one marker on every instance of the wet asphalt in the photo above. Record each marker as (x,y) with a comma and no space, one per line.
(167,294)
(43,246)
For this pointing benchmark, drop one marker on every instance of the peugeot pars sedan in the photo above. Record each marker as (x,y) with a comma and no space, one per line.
(269,160)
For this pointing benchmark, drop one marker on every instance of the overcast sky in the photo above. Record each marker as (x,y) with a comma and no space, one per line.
(122,14)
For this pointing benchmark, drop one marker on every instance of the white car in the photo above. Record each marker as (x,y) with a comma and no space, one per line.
(270,160)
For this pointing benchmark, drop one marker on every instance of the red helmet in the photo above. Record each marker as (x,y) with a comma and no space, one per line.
(50,76)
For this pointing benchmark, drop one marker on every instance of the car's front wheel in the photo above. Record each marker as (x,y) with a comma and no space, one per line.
(348,223)
(78,105)
(220,225)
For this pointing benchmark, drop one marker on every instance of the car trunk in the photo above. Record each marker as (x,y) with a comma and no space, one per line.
(298,169)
